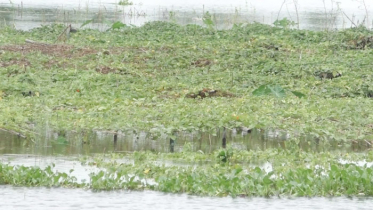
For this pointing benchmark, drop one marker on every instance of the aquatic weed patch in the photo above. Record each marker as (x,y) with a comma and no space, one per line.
(267,173)
(142,78)
(296,174)
(35,177)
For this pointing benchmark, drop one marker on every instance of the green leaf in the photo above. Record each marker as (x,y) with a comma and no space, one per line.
(117,25)
(267,180)
(207,19)
(274,90)
(238,170)
(61,140)
(334,168)
(86,23)
(298,94)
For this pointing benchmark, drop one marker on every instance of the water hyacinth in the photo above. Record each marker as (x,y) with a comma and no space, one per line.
(163,78)
(302,174)
(153,77)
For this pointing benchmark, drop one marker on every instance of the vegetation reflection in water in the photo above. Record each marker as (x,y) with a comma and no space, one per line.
(86,143)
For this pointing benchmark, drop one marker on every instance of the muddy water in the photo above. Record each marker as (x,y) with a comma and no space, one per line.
(53,144)
(75,143)
(58,198)
(311,14)
(64,156)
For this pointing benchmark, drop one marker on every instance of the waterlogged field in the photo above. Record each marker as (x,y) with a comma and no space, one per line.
(164,79)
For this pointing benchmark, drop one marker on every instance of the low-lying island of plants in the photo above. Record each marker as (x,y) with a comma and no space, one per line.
(163,77)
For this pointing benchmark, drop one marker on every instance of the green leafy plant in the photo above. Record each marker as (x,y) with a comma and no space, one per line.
(225,154)
(208,20)
(274,90)
(86,23)
(284,23)
(117,25)
(139,78)
(125,2)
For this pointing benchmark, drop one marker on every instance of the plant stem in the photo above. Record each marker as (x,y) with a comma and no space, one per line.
(296,10)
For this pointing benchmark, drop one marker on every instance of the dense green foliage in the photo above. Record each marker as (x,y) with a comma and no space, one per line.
(139,77)
(34,176)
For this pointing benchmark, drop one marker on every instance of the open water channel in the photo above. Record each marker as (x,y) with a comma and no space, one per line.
(27,14)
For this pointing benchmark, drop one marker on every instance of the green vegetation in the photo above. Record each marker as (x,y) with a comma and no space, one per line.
(125,2)
(164,77)
(267,173)
(293,172)
(34,176)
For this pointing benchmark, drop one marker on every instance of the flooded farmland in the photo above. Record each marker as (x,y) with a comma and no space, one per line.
(327,165)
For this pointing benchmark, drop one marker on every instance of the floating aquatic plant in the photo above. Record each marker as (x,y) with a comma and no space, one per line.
(148,78)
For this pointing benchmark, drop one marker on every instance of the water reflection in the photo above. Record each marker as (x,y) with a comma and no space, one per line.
(315,15)
(52,145)
(46,198)
(91,142)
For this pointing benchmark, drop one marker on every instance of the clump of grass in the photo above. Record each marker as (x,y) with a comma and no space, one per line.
(125,2)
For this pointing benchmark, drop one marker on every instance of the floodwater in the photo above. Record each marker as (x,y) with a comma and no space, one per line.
(15,151)
(49,143)
(310,14)
(63,150)
(59,198)
(62,164)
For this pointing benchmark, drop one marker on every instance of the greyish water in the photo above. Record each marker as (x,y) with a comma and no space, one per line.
(71,199)
(310,14)
(63,150)
(64,155)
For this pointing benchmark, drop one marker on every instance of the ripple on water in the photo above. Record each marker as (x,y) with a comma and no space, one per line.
(61,198)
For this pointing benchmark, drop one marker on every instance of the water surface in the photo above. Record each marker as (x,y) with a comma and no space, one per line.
(64,150)
(60,198)
(50,143)
(311,14)
(16,151)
